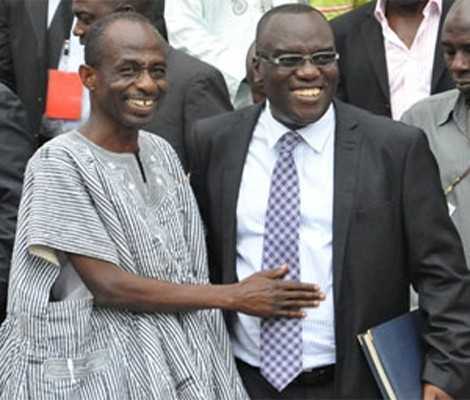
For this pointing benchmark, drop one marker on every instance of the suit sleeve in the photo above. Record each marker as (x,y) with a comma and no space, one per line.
(206,96)
(17,147)
(438,272)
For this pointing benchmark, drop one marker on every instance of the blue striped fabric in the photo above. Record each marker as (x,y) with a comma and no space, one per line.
(73,201)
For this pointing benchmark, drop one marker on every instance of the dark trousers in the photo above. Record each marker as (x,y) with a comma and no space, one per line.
(259,389)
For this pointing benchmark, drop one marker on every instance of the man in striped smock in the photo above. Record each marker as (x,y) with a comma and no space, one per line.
(109,295)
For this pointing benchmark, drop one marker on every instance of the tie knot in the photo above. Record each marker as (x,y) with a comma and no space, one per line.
(289,141)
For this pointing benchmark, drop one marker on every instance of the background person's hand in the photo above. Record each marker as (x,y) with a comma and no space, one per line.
(265,294)
(431,392)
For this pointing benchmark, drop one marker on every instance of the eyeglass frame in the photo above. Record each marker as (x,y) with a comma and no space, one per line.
(310,57)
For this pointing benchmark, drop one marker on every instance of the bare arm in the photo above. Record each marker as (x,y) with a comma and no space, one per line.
(262,294)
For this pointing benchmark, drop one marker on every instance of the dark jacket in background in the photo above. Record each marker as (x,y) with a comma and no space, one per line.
(196,90)
(16,146)
(159,10)
(24,53)
(362,64)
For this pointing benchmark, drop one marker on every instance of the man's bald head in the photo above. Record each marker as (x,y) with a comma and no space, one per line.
(286,9)
(96,38)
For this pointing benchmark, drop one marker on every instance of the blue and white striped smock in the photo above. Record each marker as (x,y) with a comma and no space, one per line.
(74,202)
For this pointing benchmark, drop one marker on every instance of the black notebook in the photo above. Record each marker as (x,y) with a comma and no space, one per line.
(394,351)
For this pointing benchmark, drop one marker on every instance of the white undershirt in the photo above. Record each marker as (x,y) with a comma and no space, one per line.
(314,160)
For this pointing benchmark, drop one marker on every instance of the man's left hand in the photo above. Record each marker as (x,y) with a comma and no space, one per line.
(431,392)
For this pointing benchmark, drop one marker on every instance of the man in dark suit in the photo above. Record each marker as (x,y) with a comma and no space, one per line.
(16,148)
(390,56)
(358,208)
(28,47)
(196,89)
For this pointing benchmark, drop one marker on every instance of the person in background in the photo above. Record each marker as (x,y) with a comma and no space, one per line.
(219,33)
(334,8)
(109,296)
(34,39)
(351,201)
(390,54)
(251,88)
(445,118)
(16,148)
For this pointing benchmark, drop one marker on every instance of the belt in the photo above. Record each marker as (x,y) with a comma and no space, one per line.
(314,376)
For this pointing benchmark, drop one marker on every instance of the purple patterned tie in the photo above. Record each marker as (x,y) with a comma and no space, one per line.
(281,338)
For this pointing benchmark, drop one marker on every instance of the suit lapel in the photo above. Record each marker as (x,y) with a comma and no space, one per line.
(37,10)
(439,66)
(236,145)
(347,145)
(373,40)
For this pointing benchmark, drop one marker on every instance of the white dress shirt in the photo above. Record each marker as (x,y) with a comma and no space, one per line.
(410,69)
(314,162)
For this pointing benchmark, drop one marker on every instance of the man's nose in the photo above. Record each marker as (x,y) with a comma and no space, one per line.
(146,83)
(308,70)
(460,62)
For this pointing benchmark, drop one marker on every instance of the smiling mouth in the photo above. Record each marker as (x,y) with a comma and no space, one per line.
(141,103)
(313,93)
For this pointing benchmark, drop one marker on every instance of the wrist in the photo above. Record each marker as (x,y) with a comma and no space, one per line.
(228,297)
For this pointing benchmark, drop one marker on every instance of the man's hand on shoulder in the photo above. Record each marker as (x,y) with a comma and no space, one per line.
(431,392)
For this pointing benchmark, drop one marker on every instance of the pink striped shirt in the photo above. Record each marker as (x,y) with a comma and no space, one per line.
(410,69)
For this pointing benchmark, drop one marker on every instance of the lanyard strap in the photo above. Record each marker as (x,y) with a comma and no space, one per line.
(456,181)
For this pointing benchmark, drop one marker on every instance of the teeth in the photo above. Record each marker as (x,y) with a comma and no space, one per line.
(141,103)
(315,92)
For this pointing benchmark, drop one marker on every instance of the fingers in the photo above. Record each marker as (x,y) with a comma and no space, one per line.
(298,286)
(294,304)
(275,273)
(289,314)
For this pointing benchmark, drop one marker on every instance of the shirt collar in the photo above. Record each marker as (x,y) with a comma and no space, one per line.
(454,107)
(316,134)
(432,6)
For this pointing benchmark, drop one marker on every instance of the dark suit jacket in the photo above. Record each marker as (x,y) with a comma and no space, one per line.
(362,64)
(390,228)
(159,17)
(24,53)
(195,90)
(16,148)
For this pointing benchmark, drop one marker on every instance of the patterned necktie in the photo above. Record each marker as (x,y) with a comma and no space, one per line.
(281,338)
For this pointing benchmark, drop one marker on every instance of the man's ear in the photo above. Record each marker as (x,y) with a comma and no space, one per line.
(257,70)
(88,77)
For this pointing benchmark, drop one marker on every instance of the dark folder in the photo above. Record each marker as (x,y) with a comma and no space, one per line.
(394,351)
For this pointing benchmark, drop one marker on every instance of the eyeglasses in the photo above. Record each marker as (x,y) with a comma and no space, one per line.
(319,59)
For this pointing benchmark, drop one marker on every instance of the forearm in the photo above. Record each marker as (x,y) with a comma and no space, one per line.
(113,287)
(151,295)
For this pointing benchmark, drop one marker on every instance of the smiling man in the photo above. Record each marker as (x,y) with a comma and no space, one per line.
(350,202)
